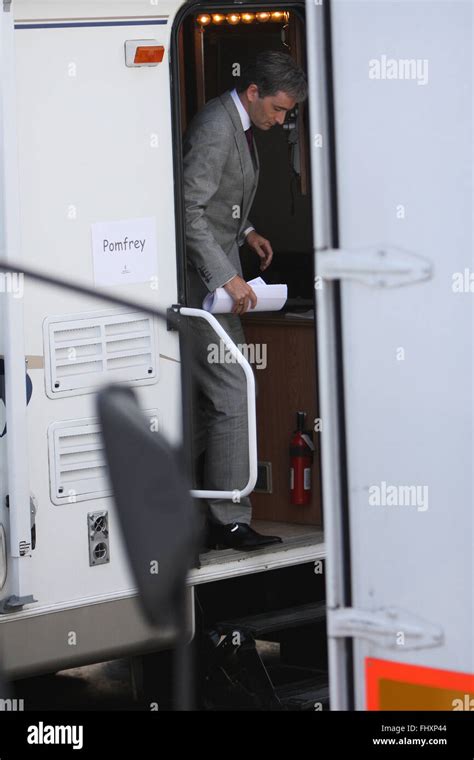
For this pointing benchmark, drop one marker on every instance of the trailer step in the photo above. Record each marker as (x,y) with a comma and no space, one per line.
(307,695)
(268,622)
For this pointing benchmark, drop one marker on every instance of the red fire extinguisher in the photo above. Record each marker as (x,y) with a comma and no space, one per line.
(301,462)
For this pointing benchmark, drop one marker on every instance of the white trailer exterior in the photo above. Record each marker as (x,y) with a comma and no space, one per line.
(71,103)
(66,122)
(398,480)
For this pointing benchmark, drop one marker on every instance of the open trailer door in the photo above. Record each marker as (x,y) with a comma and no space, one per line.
(393,147)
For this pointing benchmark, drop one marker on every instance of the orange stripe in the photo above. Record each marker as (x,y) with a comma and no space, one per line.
(375,670)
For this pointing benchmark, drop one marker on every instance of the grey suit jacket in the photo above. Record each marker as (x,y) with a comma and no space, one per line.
(220,181)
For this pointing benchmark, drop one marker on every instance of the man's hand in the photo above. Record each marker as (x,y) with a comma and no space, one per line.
(262,248)
(242,295)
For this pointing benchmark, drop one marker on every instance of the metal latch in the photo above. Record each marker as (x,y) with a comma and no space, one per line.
(33,511)
(381,266)
(390,627)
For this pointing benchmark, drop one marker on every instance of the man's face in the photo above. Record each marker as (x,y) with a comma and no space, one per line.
(268,111)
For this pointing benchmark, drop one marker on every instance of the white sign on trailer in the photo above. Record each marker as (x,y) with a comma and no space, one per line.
(124,252)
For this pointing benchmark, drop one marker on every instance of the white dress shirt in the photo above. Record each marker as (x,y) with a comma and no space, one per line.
(244,117)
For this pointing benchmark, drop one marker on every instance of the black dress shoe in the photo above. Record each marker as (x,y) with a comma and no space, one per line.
(239,536)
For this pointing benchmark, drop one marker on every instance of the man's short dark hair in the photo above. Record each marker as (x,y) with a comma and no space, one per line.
(274,72)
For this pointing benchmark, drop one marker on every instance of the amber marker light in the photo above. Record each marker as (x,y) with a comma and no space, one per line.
(247,18)
(204,19)
(263,16)
(218,18)
(149,54)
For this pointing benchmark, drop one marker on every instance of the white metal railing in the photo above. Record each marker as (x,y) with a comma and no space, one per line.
(235,494)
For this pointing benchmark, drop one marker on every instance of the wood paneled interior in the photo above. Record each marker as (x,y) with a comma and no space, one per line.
(297,50)
(199,66)
(287,385)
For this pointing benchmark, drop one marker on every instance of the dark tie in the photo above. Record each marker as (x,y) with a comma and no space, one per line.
(249,136)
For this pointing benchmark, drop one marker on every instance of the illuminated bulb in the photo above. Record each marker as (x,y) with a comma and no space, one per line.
(233,18)
(278,16)
(247,18)
(205,19)
(263,16)
(218,18)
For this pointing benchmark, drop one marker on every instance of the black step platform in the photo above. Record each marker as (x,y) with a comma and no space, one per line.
(307,694)
(278,620)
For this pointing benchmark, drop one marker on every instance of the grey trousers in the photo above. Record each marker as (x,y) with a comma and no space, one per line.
(220,428)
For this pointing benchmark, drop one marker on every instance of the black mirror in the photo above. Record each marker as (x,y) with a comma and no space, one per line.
(152,495)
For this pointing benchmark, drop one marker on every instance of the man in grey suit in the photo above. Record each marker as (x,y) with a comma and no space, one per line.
(221,169)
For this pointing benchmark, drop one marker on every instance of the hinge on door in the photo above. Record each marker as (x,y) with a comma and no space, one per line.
(381,267)
(7,4)
(390,627)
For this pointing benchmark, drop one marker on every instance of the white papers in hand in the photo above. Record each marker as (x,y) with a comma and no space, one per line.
(269,298)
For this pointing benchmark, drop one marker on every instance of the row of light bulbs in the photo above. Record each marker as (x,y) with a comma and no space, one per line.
(246,18)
